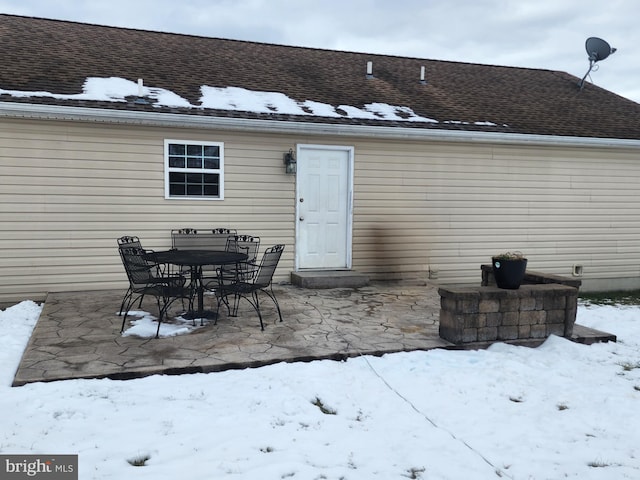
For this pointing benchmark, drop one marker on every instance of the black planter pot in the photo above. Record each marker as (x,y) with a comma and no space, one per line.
(509,273)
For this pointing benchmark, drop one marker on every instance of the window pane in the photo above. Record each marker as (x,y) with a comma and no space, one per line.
(176,162)
(211,151)
(194,190)
(194,178)
(194,150)
(211,163)
(211,178)
(176,190)
(176,177)
(194,162)
(176,149)
(211,190)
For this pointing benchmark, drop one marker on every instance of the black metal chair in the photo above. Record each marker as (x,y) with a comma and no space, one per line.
(244,271)
(192,239)
(260,282)
(130,241)
(224,231)
(146,278)
(249,245)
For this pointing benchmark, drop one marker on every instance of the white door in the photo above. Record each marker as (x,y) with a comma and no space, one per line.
(323,207)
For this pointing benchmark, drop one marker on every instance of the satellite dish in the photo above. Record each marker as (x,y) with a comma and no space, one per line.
(597,49)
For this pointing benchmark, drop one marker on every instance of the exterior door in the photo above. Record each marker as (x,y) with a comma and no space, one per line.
(323,207)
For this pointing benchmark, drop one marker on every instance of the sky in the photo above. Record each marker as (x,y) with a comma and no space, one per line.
(548,34)
(562,410)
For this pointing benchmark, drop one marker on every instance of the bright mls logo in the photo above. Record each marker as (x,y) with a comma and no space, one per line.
(51,467)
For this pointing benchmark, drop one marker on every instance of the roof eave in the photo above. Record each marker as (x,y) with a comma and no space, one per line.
(128,117)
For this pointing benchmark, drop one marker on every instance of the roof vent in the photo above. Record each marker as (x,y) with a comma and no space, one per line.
(597,49)
(369,69)
(141,100)
(422,75)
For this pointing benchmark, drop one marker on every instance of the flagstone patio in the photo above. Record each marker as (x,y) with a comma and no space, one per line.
(78,333)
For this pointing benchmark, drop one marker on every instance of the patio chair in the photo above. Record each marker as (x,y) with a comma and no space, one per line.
(244,271)
(224,231)
(192,239)
(260,282)
(130,241)
(146,278)
(247,244)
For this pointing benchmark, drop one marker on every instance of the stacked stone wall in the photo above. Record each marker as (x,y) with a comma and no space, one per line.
(488,313)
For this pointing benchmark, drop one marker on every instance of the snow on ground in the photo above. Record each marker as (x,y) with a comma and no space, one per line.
(562,410)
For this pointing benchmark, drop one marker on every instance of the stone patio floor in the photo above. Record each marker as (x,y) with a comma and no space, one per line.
(78,333)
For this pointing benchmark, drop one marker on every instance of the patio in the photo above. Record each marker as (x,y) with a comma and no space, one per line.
(78,333)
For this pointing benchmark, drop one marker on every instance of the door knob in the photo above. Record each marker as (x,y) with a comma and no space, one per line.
(301,219)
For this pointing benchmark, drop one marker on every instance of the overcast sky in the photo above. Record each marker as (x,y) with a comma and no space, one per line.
(537,34)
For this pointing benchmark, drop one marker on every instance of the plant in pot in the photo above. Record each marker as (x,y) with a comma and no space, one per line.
(509,269)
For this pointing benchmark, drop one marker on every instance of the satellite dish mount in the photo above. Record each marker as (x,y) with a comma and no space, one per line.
(597,49)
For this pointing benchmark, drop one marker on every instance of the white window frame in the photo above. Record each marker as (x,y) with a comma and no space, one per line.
(168,170)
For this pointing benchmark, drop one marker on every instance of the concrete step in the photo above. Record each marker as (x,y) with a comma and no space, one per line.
(329,279)
(586,335)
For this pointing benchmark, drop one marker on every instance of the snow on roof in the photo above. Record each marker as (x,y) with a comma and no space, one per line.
(115,89)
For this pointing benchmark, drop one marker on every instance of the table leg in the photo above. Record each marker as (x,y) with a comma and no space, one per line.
(201,313)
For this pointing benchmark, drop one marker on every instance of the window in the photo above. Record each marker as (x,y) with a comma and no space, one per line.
(194,170)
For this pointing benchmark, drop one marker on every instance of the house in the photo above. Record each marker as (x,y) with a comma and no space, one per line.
(407,168)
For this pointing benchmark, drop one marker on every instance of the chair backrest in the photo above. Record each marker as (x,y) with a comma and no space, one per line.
(129,241)
(192,239)
(183,237)
(246,244)
(224,231)
(139,271)
(268,266)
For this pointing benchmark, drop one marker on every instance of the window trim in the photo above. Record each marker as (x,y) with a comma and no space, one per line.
(167,169)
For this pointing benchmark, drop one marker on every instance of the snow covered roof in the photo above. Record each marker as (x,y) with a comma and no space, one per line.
(55,62)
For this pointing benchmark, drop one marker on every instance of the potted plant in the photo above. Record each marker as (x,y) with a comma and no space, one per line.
(509,269)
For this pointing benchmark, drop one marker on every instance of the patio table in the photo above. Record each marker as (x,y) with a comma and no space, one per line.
(195,260)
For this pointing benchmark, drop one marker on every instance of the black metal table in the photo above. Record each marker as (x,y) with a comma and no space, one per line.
(195,260)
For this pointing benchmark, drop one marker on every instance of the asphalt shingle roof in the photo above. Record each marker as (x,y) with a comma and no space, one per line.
(58,56)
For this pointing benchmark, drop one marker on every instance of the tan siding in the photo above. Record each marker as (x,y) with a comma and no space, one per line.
(68,190)
(453,206)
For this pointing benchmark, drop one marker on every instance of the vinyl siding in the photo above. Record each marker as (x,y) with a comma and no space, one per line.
(452,206)
(68,190)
